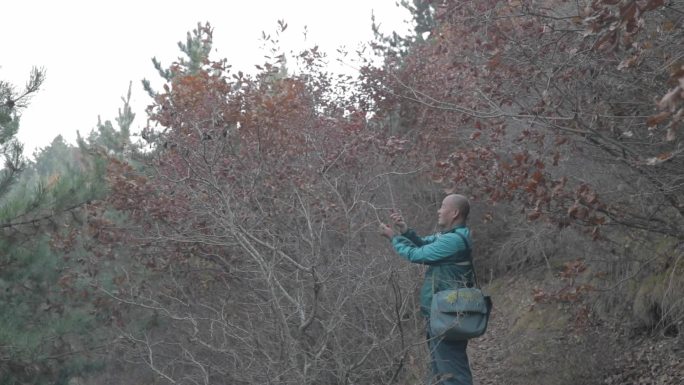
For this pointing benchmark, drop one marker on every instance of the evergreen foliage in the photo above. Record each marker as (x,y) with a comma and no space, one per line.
(423,15)
(109,139)
(11,103)
(51,321)
(196,49)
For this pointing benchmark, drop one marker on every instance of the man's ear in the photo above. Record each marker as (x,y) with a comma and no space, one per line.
(457,214)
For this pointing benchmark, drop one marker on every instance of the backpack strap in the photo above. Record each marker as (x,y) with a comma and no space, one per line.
(469,262)
(470,257)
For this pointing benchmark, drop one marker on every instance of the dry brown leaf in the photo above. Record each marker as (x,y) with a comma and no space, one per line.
(678,116)
(657,119)
(651,4)
(677,70)
(665,156)
(628,11)
(671,133)
(494,61)
(659,159)
(669,99)
(629,62)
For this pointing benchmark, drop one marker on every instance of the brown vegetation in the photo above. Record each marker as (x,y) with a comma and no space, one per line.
(251,253)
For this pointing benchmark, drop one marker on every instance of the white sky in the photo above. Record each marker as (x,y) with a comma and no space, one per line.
(92,49)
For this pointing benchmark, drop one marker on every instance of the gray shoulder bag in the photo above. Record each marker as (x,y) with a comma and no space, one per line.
(459,314)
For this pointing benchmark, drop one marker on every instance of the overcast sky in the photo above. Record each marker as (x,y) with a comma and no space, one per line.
(92,49)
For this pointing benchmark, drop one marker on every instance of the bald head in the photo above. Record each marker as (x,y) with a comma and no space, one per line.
(460,203)
(454,211)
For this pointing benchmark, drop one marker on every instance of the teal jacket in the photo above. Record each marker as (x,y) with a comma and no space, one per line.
(447,256)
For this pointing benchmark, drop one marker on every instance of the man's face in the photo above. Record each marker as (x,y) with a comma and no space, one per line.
(446,213)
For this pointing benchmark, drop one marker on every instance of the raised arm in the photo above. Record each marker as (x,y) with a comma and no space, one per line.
(435,251)
(405,231)
(416,239)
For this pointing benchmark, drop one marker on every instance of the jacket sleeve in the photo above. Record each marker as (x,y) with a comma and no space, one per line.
(418,241)
(440,248)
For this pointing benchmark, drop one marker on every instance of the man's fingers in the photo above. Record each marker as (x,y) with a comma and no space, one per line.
(386,231)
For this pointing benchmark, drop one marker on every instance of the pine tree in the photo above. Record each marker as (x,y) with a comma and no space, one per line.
(51,324)
(11,104)
(106,137)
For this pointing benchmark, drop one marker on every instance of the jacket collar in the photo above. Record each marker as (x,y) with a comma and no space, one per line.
(453,229)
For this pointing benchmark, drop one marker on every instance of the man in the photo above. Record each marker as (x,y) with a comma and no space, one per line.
(447,255)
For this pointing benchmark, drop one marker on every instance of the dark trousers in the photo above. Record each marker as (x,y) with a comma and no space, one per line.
(449,362)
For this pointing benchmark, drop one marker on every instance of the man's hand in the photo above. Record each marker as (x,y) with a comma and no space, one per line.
(386,231)
(399,222)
